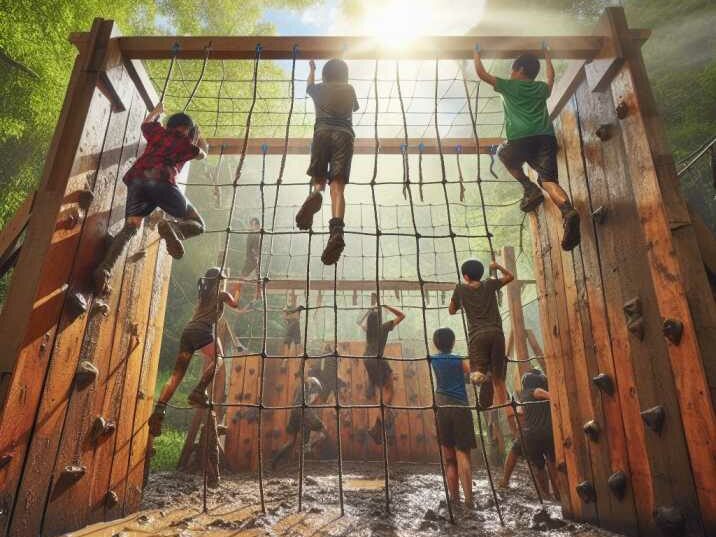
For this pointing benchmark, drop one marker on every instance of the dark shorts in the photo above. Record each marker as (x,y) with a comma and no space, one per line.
(331,155)
(486,351)
(293,334)
(311,422)
(379,371)
(539,152)
(456,428)
(145,195)
(537,447)
(196,335)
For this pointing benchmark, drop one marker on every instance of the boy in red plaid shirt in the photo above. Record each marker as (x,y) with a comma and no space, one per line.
(151,183)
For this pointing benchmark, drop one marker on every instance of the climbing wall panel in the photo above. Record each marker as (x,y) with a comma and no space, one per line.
(73,427)
(635,442)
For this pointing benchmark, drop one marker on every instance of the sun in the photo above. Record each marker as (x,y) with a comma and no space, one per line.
(397,23)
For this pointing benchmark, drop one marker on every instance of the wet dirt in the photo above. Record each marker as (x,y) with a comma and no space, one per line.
(417,506)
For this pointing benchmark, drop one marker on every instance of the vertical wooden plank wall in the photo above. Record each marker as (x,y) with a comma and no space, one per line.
(60,470)
(614,164)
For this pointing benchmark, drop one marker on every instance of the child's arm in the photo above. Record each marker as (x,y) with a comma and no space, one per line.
(200,142)
(480,69)
(311,74)
(399,315)
(539,393)
(453,307)
(362,321)
(232,300)
(506,277)
(154,114)
(549,72)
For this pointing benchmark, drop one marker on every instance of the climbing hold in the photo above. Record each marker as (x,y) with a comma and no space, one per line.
(221,430)
(670,520)
(5,460)
(77,303)
(635,322)
(654,418)
(605,383)
(617,483)
(592,430)
(86,373)
(586,491)
(111,499)
(100,306)
(74,472)
(84,198)
(673,330)
(100,428)
(622,109)
(604,132)
(599,215)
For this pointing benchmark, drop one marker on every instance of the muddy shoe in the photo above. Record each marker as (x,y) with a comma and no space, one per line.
(100,279)
(571,237)
(376,432)
(156,419)
(532,198)
(336,244)
(174,245)
(304,217)
(198,398)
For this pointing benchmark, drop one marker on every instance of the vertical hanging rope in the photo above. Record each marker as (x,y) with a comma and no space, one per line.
(207,52)
(406,172)
(175,52)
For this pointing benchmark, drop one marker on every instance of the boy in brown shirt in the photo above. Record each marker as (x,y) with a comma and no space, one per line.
(486,341)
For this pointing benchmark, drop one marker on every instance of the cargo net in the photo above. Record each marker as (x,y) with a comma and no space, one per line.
(412,217)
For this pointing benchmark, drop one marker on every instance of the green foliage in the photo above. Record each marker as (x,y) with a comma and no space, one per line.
(167,448)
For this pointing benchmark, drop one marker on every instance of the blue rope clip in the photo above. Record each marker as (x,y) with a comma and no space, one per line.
(294,51)
(176,47)
(458,149)
(259,48)
(492,151)
(264,148)
(421,147)
(403,148)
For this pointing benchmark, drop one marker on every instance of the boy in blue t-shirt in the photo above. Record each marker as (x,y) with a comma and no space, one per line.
(455,427)
(530,137)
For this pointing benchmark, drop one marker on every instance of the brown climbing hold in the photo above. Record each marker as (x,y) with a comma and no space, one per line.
(617,483)
(604,132)
(85,198)
(586,492)
(86,373)
(670,520)
(77,303)
(74,472)
(100,428)
(635,322)
(100,306)
(654,418)
(622,109)
(673,330)
(592,430)
(221,430)
(605,383)
(111,499)
(5,460)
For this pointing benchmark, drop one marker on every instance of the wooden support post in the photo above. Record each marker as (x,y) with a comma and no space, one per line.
(536,349)
(517,318)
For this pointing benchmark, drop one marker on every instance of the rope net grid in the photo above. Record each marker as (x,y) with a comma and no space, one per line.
(409,218)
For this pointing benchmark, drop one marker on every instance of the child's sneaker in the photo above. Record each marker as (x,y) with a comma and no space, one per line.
(304,217)
(156,419)
(174,245)
(571,237)
(336,244)
(532,198)
(198,398)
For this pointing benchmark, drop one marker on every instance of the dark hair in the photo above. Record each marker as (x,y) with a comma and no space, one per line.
(180,119)
(533,379)
(473,269)
(335,70)
(444,339)
(528,64)
(255,221)
(209,283)
(372,332)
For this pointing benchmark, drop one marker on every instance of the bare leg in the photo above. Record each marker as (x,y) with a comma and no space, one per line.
(552,470)
(172,384)
(510,463)
(338,201)
(570,217)
(451,473)
(500,390)
(557,195)
(464,468)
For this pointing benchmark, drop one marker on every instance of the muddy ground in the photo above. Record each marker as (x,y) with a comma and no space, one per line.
(417,506)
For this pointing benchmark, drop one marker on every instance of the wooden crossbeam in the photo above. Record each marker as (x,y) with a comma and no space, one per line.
(582,47)
(278,286)
(362,146)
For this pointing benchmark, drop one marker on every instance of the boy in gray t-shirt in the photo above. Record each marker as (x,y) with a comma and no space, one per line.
(331,151)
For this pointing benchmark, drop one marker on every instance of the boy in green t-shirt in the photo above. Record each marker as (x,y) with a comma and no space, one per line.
(530,136)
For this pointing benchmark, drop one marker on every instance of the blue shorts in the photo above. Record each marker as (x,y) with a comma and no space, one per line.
(145,195)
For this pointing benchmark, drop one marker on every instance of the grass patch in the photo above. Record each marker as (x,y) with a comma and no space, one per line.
(167,447)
